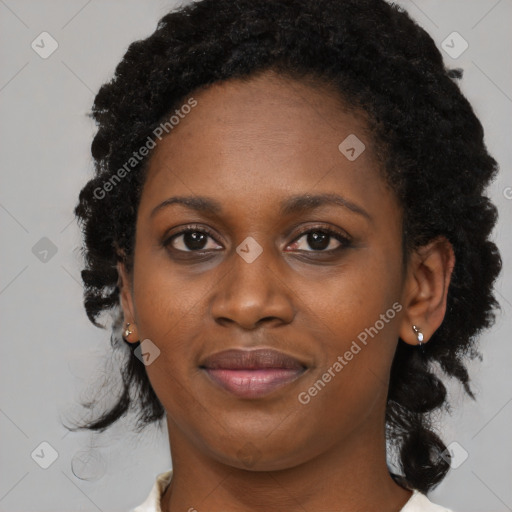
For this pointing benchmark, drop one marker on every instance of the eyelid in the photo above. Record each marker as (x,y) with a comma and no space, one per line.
(191,228)
(343,238)
(326,229)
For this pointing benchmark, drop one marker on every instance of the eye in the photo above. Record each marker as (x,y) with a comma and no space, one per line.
(320,240)
(195,239)
(191,239)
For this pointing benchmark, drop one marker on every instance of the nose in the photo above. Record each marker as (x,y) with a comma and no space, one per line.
(254,293)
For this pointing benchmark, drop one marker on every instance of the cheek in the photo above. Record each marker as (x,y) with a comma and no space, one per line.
(351,382)
(162,302)
(165,314)
(357,313)
(353,297)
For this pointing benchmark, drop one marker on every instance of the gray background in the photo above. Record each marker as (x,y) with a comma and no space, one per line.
(51,355)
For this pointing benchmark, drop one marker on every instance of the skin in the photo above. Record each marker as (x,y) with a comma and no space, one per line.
(250,145)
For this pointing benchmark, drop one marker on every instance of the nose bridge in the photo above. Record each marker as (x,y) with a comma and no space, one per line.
(252,290)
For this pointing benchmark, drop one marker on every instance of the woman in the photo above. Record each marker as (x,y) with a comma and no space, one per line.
(288,223)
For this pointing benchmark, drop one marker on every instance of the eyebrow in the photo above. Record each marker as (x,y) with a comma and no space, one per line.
(293,204)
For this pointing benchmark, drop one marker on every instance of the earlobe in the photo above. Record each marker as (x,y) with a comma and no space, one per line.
(130,333)
(419,334)
(130,329)
(426,291)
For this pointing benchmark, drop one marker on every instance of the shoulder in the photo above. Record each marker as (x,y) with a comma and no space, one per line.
(152,502)
(418,502)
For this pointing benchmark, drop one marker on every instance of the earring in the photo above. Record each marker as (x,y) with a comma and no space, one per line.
(418,333)
(127,330)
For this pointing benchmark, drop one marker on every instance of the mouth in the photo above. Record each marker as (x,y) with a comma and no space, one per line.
(252,373)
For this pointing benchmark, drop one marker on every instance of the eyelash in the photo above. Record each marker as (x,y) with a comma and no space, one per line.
(343,239)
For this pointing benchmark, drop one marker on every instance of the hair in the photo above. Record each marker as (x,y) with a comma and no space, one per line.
(429,140)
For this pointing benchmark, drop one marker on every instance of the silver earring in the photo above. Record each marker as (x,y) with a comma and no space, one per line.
(127,330)
(419,334)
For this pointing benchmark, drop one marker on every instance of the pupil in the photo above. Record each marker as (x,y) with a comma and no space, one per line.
(314,237)
(194,240)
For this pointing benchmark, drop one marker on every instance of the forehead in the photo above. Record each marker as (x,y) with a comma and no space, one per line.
(268,110)
(265,138)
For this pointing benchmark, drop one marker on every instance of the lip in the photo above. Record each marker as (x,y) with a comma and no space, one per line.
(252,373)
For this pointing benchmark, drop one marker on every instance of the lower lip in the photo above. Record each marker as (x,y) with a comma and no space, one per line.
(253,383)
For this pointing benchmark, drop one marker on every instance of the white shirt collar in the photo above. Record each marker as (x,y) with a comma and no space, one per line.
(418,502)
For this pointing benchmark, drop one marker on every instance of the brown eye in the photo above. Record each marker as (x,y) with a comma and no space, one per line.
(321,240)
(190,240)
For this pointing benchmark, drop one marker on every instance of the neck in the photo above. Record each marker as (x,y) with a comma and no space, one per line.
(351,476)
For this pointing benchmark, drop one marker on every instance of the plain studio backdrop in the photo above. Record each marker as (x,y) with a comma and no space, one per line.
(51,355)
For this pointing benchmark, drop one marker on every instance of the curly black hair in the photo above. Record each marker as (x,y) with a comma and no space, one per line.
(430,143)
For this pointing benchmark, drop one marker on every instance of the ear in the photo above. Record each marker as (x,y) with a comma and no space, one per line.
(426,289)
(125,286)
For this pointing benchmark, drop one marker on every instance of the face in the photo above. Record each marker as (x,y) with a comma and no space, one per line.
(321,282)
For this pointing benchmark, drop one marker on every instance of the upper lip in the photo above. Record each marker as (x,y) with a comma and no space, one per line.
(238,359)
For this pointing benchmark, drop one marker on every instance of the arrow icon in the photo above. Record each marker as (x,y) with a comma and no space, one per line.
(147,352)
(454,45)
(351,147)
(44,250)
(44,455)
(249,454)
(44,45)
(249,249)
